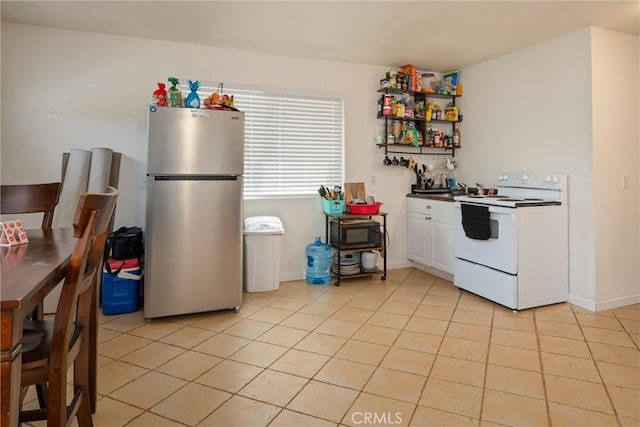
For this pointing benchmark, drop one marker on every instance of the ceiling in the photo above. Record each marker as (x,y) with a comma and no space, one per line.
(433,35)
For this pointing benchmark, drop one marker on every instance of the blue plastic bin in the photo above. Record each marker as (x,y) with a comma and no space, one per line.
(121,291)
(333,207)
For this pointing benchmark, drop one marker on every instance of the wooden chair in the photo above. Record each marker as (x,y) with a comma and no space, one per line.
(32,198)
(21,199)
(51,347)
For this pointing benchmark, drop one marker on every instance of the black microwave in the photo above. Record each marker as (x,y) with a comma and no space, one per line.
(355,234)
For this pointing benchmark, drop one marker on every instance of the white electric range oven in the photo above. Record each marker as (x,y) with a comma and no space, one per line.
(512,248)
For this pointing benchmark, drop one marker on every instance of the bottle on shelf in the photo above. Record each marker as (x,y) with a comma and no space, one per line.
(456,137)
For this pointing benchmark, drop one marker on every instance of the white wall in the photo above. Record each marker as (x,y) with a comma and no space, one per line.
(616,136)
(67,89)
(532,110)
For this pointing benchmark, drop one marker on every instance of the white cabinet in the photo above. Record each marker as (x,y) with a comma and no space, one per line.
(440,249)
(417,235)
(430,233)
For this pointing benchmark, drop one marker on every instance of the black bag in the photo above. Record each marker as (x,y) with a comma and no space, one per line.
(124,243)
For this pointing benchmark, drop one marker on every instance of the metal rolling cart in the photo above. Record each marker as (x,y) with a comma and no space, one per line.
(346,220)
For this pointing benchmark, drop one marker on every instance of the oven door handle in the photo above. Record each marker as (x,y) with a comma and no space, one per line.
(501,210)
(492,209)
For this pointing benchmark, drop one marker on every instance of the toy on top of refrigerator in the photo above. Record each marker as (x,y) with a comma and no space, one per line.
(193,99)
(218,100)
(160,95)
(175,96)
(213,99)
(227,100)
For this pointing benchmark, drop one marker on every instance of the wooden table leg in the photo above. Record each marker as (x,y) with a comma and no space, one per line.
(11,362)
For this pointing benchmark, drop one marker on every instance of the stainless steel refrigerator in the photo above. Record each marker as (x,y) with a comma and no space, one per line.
(193,239)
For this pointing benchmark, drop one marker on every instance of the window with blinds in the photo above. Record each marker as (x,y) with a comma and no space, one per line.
(293,143)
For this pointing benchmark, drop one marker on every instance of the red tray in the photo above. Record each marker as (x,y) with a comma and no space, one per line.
(358,209)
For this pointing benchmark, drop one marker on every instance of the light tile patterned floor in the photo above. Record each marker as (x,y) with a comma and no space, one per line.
(411,350)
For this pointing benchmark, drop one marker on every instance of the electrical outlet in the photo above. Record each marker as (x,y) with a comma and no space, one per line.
(143,181)
(625,182)
(373,180)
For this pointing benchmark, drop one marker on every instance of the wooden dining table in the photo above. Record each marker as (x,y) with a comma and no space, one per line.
(29,272)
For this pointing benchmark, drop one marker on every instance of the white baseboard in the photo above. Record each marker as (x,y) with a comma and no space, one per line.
(288,277)
(610,303)
(605,304)
(439,273)
(587,304)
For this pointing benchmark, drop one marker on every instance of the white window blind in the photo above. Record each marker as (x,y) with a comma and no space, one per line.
(293,143)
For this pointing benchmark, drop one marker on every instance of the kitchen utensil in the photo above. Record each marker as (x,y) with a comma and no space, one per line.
(412,163)
(337,193)
(428,183)
(354,190)
(417,172)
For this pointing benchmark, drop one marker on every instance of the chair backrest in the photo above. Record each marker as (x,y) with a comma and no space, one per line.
(77,298)
(30,198)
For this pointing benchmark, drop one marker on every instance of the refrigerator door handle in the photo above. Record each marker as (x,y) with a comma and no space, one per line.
(196,177)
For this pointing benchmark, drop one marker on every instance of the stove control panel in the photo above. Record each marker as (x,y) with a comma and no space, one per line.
(537,180)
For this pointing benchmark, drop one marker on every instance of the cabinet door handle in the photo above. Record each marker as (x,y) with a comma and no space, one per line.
(427,217)
(428,206)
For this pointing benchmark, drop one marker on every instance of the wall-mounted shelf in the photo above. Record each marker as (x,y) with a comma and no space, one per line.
(392,121)
(421,149)
(411,92)
(417,119)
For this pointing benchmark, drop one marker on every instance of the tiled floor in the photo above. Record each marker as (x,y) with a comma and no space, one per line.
(411,350)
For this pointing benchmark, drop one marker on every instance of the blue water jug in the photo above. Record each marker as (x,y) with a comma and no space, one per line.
(318,263)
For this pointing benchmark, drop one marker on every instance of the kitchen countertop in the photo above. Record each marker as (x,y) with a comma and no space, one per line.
(445,197)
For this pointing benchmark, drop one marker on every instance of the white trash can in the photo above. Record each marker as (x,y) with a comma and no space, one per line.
(262,251)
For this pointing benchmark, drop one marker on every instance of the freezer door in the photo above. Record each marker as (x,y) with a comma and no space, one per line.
(187,141)
(193,259)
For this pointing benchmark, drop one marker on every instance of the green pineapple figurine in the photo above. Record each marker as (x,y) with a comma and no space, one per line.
(175,96)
